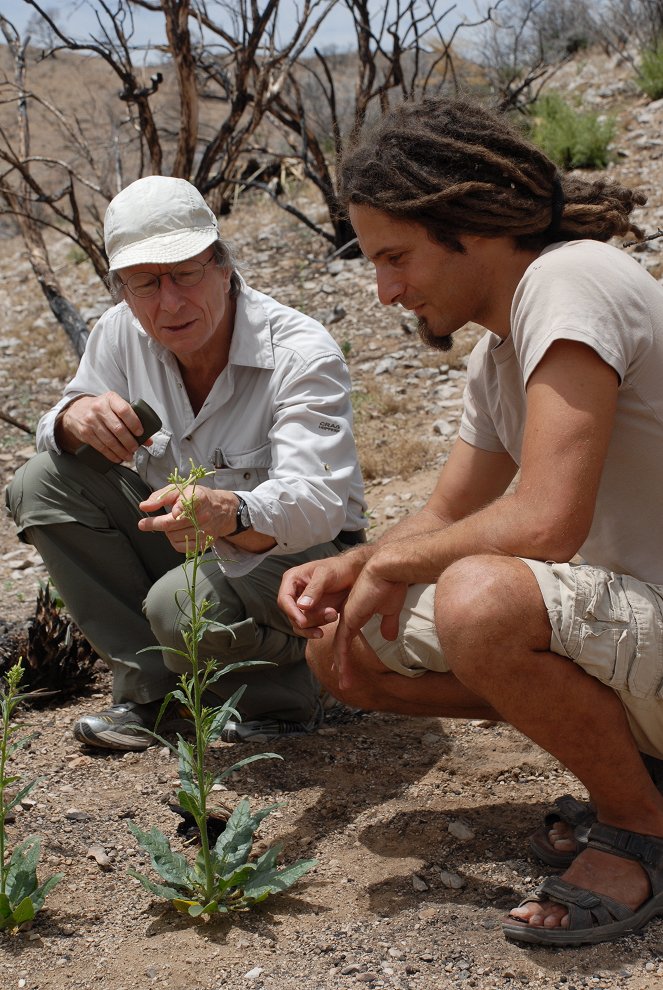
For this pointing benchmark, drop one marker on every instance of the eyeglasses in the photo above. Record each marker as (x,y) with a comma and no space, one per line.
(186,274)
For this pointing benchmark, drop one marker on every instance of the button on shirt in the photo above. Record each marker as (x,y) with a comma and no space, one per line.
(276,426)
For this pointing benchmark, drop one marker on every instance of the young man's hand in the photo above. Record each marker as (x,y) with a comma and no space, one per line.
(312,595)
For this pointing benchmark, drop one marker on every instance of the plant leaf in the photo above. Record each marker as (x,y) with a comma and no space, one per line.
(180,904)
(268,879)
(39,895)
(171,866)
(5,908)
(161,890)
(233,846)
(21,877)
(18,797)
(24,911)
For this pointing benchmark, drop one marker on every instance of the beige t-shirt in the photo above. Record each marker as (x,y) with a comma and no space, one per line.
(598,295)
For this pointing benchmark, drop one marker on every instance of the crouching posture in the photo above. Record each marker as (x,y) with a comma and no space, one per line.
(540,602)
(251,390)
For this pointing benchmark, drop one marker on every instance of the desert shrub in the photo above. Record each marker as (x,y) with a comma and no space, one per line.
(650,71)
(572,138)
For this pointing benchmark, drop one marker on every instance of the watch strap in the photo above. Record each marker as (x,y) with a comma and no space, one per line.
(241,515)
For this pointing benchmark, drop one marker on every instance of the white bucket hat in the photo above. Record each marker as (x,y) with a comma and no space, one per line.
(157,220)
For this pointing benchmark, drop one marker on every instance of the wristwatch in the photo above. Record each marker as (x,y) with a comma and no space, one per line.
(242,518)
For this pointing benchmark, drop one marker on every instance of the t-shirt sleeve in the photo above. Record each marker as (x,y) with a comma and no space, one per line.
(476,426)
(565,295)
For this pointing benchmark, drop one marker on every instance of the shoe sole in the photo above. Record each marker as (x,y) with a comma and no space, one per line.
(113,740)
(122,742)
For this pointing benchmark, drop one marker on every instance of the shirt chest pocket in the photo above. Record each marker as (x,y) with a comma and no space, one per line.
(242,471)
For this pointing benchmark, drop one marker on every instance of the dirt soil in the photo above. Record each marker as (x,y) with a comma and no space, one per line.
(419,826)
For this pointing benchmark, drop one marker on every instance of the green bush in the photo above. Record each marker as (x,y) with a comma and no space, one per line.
(572,138)
(650,72)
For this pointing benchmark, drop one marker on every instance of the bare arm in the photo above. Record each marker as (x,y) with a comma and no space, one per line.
(572,398)
(312,595)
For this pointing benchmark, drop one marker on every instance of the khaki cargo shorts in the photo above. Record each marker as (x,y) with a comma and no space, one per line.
(610,624)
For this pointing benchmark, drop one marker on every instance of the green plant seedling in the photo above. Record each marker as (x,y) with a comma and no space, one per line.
(21,894)
(223,878)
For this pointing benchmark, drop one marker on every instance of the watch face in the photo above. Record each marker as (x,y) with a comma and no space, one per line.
(244,516)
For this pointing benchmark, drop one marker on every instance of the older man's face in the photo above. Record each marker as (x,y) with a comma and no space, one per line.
(194,322)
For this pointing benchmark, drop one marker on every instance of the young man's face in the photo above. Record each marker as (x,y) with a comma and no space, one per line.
(445,289)
(191,320)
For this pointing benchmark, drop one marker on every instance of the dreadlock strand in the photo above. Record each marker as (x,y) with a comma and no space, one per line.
(456,167)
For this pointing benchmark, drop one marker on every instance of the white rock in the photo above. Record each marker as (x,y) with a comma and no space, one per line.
(451,880)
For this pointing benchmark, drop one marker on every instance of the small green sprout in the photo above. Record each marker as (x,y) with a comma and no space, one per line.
(21,894)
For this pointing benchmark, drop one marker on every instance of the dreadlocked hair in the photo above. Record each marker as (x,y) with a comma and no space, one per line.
(458,168)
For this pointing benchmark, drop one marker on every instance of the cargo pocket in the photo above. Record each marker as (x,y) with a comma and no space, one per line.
(617,623)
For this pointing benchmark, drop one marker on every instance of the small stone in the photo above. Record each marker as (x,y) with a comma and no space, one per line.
(443,427)
(432,739)
(386,366)
(451,880)
(254,973)
(75,815)
(419,883)
(97,853)
(460,830)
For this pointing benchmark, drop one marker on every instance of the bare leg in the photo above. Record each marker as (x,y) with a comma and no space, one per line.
(376,688)
(494,630)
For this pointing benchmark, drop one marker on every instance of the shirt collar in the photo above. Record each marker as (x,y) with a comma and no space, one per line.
(252,336)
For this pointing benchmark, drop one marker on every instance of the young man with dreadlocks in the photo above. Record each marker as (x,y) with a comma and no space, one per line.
(538,603)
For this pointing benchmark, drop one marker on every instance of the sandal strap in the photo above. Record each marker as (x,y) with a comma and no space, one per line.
(568,809)
(646,849)
(585,908)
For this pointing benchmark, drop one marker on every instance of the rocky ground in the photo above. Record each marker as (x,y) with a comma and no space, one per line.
(419,827)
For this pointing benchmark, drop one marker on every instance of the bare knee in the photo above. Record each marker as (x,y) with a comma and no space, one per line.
(488,604)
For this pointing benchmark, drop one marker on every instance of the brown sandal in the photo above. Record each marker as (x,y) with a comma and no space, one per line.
(579,815)
(596,917)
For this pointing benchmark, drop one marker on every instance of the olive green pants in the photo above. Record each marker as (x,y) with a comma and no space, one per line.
(124,590)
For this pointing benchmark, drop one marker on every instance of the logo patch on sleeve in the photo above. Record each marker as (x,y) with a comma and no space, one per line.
(329,427)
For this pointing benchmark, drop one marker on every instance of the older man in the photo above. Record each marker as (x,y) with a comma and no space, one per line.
(244,386)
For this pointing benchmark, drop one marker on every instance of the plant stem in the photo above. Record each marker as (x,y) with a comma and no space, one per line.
(3,762)
(8,704)
(198,705)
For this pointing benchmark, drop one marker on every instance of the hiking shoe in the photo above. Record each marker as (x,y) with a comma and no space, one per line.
(127,725)
(328,709)
(264,729)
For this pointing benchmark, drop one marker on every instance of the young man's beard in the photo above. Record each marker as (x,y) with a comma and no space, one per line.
(442,343)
